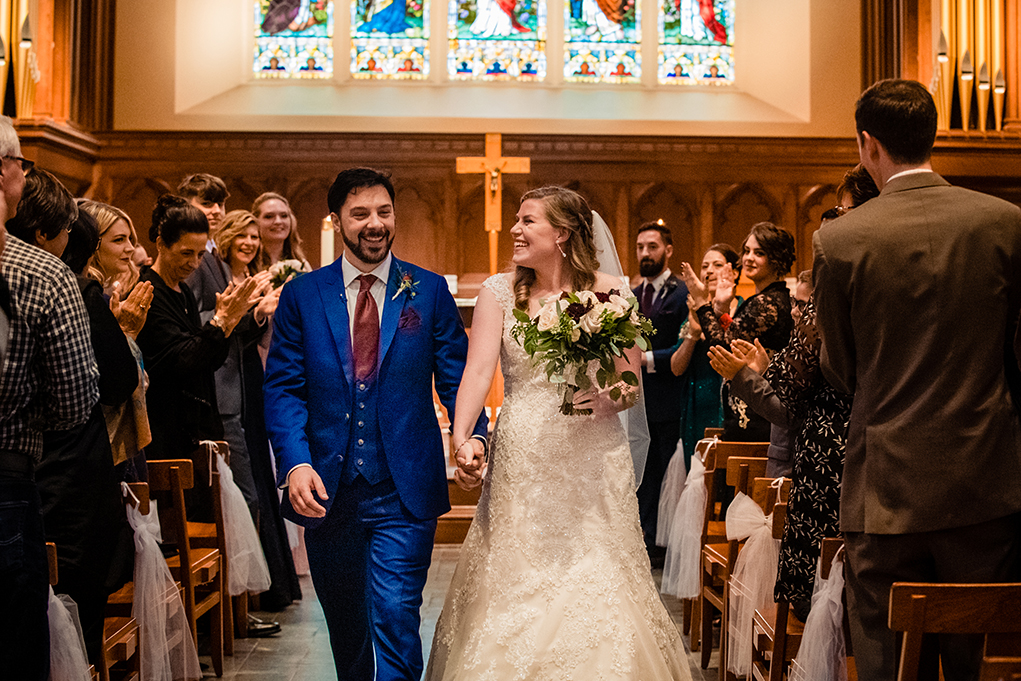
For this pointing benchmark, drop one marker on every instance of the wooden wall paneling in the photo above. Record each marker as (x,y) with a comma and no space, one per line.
(668,201)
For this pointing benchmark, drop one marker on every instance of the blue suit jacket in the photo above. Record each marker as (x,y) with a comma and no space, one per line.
(309,386)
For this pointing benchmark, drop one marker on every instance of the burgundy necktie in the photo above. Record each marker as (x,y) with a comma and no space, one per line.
(366,336)
(647,294)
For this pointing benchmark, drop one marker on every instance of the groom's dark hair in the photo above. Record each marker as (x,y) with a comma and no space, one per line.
(353,179)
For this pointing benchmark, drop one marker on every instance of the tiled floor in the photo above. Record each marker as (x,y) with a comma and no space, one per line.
(301,652)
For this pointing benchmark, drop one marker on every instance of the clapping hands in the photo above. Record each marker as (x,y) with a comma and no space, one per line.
(698,295)
(745,354)
(133,310)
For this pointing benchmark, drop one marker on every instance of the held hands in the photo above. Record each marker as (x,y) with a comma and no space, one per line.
(697,291)
(133,310)
(470,456)
(232,304)
(303,484)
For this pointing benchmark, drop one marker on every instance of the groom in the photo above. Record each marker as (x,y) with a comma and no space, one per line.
(349,409)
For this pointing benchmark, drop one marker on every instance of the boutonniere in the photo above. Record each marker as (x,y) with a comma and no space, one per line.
(407,284)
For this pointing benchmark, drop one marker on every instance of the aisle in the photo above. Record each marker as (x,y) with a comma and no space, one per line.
(301,652)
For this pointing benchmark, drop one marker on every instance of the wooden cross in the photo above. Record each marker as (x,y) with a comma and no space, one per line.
(494,165)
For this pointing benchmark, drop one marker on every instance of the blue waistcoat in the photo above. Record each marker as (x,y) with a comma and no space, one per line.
(365,455)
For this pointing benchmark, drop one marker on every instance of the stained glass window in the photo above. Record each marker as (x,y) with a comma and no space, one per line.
(602,41)
(696,42)
(496,40)
(390,39)
(293,39)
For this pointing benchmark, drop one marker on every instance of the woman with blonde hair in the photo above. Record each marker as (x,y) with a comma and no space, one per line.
(112,261)
(278,230)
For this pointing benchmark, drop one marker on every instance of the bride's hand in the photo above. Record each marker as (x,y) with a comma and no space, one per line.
(470,456)
(599,402)
(468,482)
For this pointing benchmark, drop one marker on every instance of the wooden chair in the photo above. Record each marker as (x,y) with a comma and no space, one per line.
(718,559)
(999,668)
(199,570)
(990,609)
(212,536)
(776,634)
(705,452)
(714,530)
(713,432)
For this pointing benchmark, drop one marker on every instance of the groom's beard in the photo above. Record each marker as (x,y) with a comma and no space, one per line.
(370,253)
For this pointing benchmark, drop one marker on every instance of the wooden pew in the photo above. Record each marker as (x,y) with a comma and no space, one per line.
(919,608)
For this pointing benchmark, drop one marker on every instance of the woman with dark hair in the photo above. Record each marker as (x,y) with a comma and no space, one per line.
(767,256)
(702,407)
(555,561)
(181,353)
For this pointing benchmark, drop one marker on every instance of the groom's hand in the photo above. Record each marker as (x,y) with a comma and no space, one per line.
(301,484)
(467,481)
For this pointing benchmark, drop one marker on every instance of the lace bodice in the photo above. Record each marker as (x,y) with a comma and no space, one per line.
(553,578)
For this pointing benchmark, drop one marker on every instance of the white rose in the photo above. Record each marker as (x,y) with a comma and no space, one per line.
(548,317)
(589,321)
(587,298)
(617,306)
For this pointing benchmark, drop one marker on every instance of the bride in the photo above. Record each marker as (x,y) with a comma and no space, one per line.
(553,581)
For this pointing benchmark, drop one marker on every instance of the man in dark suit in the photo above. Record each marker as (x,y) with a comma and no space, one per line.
(662,298)
(918,293)
(357,347)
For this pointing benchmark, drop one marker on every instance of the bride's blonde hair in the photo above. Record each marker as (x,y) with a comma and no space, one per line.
(569,211)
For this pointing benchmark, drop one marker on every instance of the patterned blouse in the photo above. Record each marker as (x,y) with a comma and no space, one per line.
(766,316)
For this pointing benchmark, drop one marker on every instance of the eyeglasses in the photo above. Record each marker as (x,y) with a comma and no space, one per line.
(799,304)
(25,165)
(841,210)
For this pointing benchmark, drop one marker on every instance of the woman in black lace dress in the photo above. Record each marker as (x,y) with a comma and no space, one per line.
(767,256)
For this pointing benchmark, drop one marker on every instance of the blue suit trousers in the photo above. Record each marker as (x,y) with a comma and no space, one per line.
(369,561)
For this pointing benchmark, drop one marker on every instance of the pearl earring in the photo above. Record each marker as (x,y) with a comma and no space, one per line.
(562,254)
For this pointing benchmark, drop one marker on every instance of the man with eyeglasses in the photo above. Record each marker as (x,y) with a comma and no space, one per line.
(49,382)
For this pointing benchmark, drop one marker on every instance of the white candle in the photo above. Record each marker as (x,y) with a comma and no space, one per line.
(326,243)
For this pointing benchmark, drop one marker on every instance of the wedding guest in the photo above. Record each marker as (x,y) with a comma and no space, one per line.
(181,354)
(113,266)
(700,397)
(278,230)
(45,213)
(931,489)
(209,194)
(239,397)
(767,256)
(79,484)
(48,382)
(661,298)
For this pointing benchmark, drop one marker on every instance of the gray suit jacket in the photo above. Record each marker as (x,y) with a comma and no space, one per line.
(918,293)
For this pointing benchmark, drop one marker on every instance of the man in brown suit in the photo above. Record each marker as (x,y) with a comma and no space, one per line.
(918,293)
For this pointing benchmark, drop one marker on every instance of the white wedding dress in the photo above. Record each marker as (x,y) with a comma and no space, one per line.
(553,582)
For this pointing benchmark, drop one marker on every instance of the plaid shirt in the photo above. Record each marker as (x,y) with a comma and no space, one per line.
(49,379)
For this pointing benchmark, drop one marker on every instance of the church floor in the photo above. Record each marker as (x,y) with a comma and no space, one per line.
(301,652)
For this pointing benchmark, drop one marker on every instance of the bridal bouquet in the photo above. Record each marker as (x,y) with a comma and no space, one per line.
(285,269)
(582,327)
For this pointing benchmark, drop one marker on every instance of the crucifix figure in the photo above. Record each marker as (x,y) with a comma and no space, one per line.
(494,165)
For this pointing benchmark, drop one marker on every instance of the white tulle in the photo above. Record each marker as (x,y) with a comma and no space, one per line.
(165,642)
(248,568)
(670,494)
(751,582)
(822,655)
(636,424)
(68,660)
(684,545)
